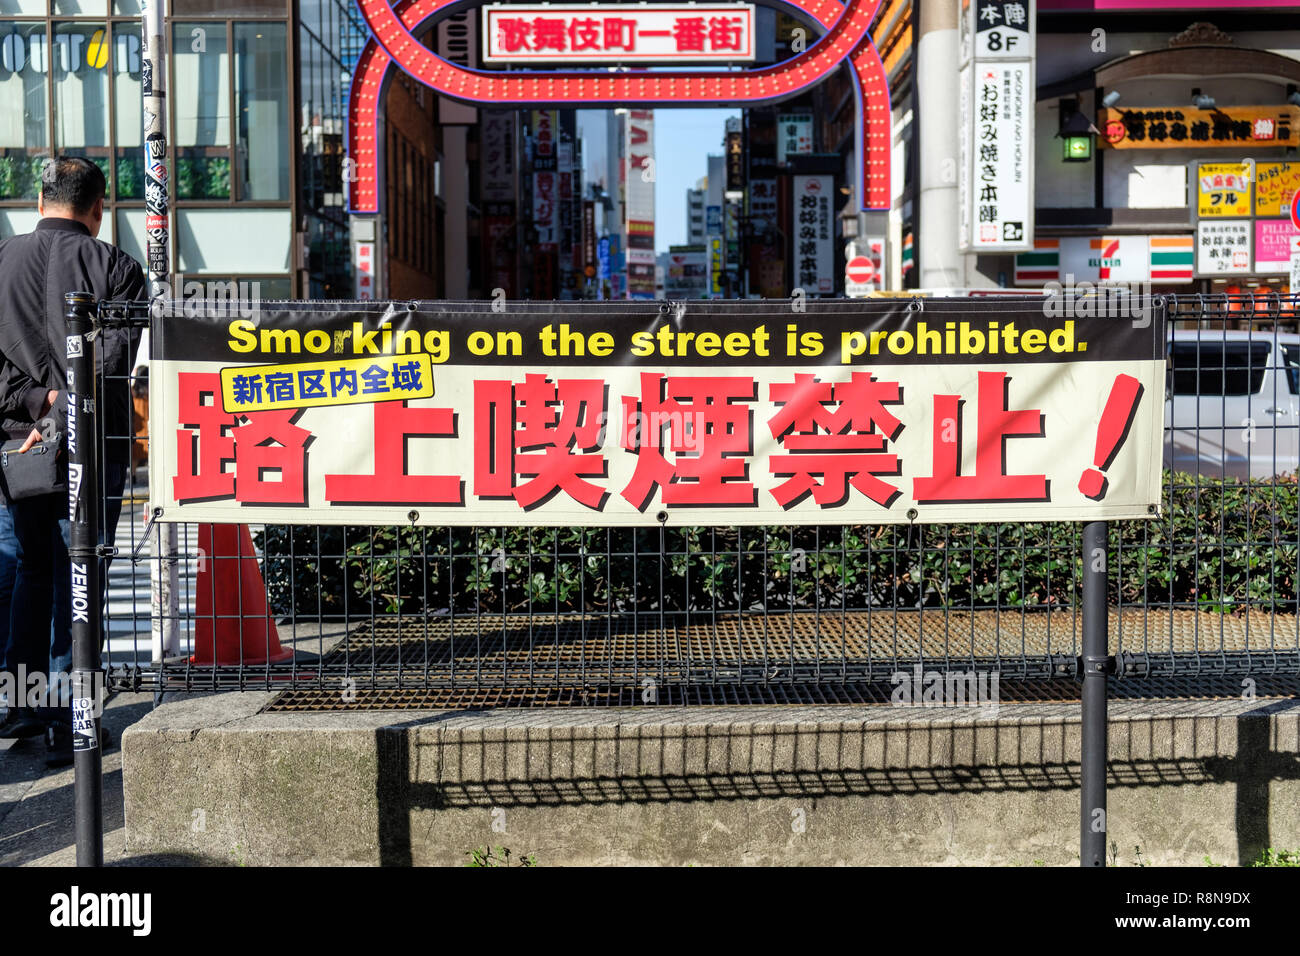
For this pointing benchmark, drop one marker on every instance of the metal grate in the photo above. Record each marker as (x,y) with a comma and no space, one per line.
(1010,692)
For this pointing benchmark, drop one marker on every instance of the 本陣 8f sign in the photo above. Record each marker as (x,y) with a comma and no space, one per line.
(617,414)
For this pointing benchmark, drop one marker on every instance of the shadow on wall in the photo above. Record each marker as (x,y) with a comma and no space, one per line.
(647,754)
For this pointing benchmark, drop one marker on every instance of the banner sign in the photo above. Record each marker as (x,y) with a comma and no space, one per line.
(618,33)
(639,201)
(998,146)
(813,238)
(1004,29)
(688,273)
(363,264)
(1275,184)
(1223,189)
(995,109)
(794,136)
(589,239)
(715,266)
(862,412)
(1107,259)
(497,166)
(1273,238)
(1223,247)
(763,203)
(735,146)
(1182,127)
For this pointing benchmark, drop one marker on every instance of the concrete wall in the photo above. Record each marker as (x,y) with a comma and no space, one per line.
(212,779)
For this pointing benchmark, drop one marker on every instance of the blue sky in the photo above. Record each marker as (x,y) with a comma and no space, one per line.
(683,141)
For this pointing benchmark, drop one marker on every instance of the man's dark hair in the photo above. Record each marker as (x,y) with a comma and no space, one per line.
(74,183)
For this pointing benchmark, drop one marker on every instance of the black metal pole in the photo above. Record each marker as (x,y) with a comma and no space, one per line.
(83,550)
(1094,666)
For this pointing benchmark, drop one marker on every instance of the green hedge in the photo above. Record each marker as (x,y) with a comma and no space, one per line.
(1218,545)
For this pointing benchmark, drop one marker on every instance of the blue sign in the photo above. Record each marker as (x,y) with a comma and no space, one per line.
(713,220)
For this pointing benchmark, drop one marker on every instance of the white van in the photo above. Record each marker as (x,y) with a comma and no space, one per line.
(1232,403)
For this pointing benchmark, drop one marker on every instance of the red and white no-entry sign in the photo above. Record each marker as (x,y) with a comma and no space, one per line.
(860,269)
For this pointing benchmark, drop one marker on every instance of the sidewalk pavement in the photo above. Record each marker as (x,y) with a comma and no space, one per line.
(36,804)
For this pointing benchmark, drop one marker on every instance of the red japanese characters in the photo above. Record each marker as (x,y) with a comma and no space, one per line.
(691,437)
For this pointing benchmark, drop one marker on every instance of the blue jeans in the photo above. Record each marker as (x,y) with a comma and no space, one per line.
(41,612)
(8,574)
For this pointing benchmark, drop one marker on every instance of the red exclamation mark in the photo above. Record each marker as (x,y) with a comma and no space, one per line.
(1116,418)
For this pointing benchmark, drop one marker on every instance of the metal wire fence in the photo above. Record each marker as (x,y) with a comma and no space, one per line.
(669,614)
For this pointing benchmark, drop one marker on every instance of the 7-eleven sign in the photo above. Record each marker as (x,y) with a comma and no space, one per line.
(1106,259)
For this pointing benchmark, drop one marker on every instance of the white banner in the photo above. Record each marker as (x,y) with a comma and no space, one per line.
(848,413)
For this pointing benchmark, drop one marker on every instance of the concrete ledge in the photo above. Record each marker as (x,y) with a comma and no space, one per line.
(214,777)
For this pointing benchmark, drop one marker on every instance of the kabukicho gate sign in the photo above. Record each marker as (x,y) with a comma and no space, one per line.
(834,412)
(393,46)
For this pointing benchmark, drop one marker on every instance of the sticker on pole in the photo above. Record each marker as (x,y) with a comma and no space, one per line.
(74,346)
(83,724)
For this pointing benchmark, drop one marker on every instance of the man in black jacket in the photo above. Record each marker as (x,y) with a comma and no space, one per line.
(36,270)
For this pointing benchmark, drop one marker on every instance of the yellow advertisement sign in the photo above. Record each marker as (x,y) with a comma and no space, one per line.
(381,378)
(1185,127)
(1275,184)
(1223,190)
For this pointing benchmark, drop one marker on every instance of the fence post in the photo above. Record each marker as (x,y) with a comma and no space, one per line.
(83,552)
(1094,665)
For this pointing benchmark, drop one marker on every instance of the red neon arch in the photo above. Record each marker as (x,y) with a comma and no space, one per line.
(393,43)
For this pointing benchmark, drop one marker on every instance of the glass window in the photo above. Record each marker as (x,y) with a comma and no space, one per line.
(130,233)
(262,110)
(1218,368)
(228,8)
(233,240)
(128,116)
(79,61)
(17,222)
(127,8)
(22,8)
(80,8)
(269,289)
(24,109)
(201,94)
(1291,362)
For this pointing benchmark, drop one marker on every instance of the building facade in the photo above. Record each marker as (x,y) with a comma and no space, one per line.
(70,83)
(1146,120)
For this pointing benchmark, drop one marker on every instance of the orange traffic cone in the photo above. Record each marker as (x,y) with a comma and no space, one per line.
(232,624)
